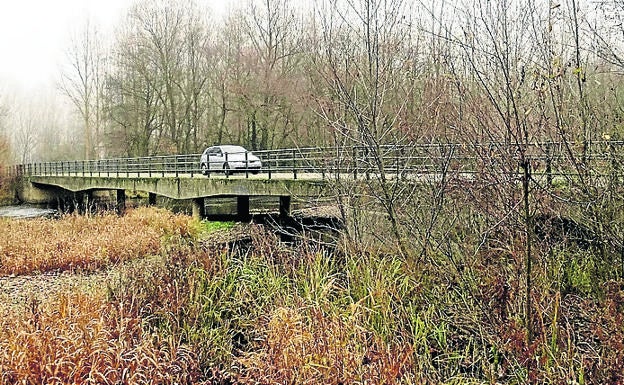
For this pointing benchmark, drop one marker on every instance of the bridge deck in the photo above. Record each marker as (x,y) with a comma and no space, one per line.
(184,186)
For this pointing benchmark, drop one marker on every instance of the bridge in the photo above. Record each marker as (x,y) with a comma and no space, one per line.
(287,173)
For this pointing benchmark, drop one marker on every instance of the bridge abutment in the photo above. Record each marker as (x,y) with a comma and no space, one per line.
(30,193)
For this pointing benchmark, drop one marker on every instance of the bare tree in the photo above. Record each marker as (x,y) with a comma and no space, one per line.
(25,135)
(157,91)
(362,60)
(83,83)
(5,154)
(132,103)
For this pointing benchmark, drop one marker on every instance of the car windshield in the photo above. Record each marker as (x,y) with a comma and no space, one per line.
(233,149)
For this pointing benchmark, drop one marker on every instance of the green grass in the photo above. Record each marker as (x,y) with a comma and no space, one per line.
(212,226)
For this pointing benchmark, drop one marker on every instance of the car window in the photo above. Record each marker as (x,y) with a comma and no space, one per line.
(234,149)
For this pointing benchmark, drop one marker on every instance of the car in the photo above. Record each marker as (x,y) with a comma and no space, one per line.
(228,158)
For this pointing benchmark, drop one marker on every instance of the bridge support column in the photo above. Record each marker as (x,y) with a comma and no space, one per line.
(199,208)
(151,199)
(284,206)
(242,208)
(121,202)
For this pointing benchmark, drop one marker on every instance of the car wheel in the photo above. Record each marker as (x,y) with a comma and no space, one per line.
(204,169)
(226,169)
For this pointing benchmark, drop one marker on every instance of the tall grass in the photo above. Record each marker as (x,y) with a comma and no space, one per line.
(85,243)
(84,339)
(273,314)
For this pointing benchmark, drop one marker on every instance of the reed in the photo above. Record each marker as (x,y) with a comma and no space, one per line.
(85,243)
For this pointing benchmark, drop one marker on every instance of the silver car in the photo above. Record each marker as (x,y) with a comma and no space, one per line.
(227,159)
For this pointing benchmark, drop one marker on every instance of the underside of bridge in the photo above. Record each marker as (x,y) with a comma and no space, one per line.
(77,192)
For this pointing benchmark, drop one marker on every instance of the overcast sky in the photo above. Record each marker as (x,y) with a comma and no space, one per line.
(35,34)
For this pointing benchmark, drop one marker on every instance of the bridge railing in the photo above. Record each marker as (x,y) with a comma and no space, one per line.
(548,158)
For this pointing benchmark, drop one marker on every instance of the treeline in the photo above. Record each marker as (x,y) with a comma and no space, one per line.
(282,73)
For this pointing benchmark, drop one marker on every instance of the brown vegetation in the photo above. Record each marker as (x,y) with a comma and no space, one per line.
(81,338)
(84,243)
(277,314)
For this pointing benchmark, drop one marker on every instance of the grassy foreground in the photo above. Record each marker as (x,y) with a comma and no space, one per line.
(170,310)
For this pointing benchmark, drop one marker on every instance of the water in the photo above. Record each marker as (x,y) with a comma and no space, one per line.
(25,211)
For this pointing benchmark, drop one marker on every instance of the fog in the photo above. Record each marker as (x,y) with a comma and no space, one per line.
(137,78)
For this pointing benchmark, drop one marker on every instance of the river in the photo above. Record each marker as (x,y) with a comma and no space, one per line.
(25,211)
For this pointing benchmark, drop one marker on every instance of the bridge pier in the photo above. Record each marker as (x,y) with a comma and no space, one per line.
(284,206)
(242,208)
(121,202)
(199,208)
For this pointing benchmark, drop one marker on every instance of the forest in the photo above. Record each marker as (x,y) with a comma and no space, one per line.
(281,73)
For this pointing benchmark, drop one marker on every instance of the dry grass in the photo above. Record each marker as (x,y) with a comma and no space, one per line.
(84,339)
(275,315)
(79,334)
(85,243)
(310,347)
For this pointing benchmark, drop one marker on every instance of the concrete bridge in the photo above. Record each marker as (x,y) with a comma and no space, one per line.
(285,173)
(52,188)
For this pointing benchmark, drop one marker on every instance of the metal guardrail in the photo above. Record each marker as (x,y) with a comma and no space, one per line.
(553,158)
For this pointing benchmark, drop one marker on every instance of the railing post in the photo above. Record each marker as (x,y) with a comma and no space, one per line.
(226,172)
(269,164)
(208,165)
(175,165)
(294,163)
(246,164)
(396,164)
